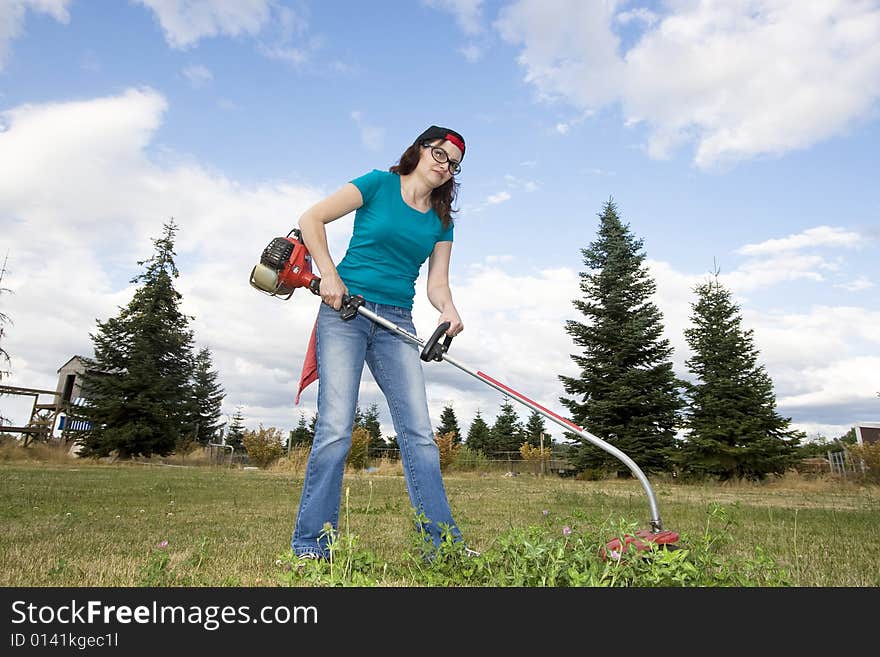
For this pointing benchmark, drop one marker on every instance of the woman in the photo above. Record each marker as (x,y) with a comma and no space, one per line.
(404,217)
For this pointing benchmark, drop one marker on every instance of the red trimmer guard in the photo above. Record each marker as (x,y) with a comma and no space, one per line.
(642,541)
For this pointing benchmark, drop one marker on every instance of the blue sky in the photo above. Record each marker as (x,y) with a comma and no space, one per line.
(738,133)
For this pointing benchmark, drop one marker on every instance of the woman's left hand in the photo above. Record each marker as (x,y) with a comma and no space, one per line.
(455,326)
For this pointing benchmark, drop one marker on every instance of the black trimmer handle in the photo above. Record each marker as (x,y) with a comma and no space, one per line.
(350,304)
(433,350)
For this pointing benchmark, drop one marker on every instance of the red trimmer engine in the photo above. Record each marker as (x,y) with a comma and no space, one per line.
(285,265)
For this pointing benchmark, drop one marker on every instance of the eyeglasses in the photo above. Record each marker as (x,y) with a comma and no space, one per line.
(442,157)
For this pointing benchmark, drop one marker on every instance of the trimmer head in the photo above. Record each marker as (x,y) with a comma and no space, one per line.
(642,540)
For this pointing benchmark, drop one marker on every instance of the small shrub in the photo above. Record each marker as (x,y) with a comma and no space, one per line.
(535,457)
(471,459)
(294,461)
(185,447)
(869,455)
(359,454)
(263,446)
(448,448)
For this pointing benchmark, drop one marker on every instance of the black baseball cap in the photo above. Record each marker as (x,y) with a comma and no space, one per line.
(437,132)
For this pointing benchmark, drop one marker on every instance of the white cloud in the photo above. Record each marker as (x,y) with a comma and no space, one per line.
(471,52)
(467,13)
(856,285)
(783,259)
(518,183)
(637,15)
(842,381)
(372,136)
(761,273)
(185,22)
(198,75)
(810,238)
(12,18)
(500,197)
(738,79)
(291,55)
(569,51)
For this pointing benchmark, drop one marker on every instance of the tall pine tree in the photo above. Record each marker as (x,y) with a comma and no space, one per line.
(535,428)
(478,437)
(137,386)
(235,431)
(733,429)
(507,434)
(370,422)
(301,436)
(627,393)
(449,423)
(206,399)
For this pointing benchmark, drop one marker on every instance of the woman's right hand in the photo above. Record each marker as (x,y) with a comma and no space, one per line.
(332,290)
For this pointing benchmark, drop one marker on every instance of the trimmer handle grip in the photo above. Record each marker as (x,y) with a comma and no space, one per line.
(433,350)
(350,304)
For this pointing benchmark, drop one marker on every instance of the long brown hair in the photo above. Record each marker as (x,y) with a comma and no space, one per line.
(442,197)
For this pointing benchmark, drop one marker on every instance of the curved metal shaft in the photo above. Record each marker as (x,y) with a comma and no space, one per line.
(656,522)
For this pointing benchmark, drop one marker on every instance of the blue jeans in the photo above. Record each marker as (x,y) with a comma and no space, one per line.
(342,348)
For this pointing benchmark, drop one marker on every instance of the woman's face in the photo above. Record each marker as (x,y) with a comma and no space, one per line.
(435,161)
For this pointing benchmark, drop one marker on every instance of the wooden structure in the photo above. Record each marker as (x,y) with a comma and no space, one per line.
(43,415)
(46,414)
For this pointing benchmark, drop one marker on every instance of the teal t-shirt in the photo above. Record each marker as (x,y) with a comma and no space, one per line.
(390,242)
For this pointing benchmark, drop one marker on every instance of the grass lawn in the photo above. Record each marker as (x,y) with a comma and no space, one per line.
(84,524)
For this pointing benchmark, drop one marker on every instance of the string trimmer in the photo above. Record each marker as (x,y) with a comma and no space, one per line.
(286,265)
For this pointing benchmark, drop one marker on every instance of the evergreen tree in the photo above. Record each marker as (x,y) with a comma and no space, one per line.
(535,428)
(207,399)
(848,438)
(301,436)
(235,431)
(479,435)
(732,427)
(627,393)
(507,434)
(449,423)
(370,421)
(137,386)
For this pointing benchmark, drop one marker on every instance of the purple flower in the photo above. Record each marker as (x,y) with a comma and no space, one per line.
(566,530)
(545,512)
(162,544)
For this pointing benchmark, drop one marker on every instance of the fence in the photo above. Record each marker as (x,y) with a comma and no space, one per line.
(510,463)
(842,464)
(221,454)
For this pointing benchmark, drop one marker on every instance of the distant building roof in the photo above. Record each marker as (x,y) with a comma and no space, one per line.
(69,361)
(84,364)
